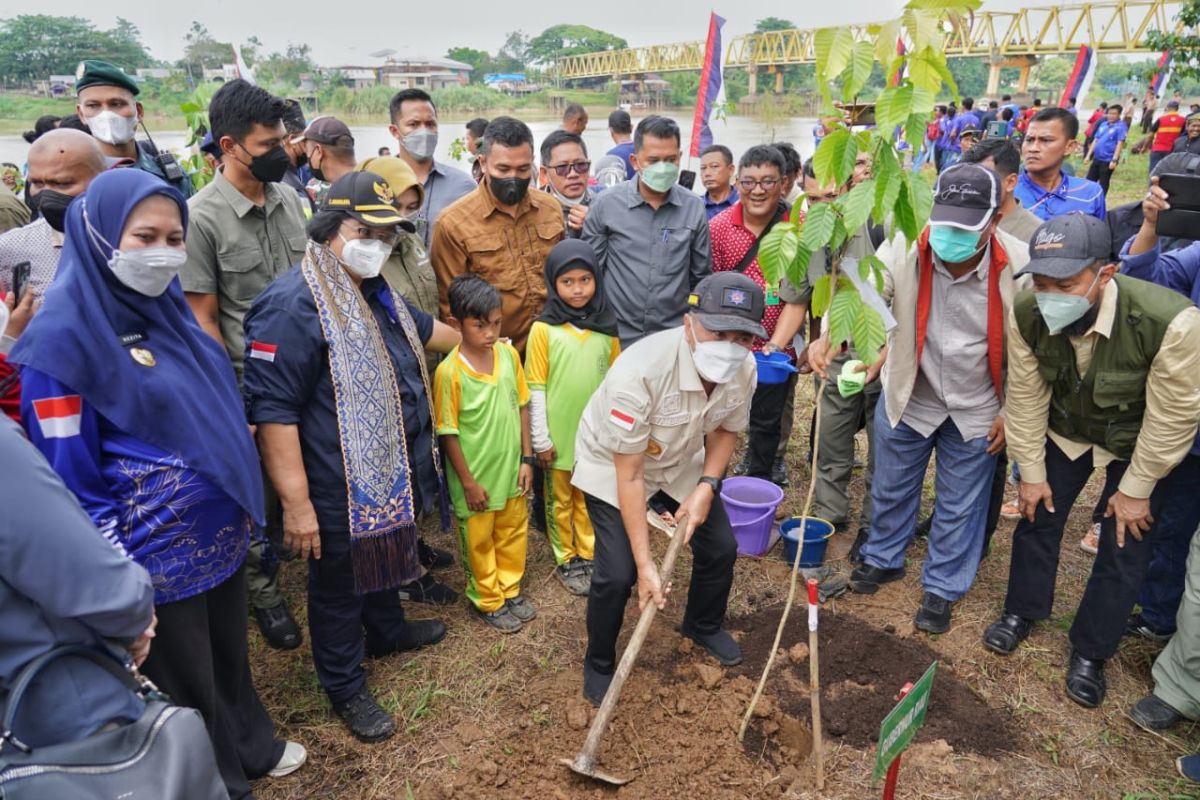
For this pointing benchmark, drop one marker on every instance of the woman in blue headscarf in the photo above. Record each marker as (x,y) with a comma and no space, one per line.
(138,410)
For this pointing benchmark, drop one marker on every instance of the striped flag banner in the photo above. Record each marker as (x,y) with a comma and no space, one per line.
(244,71)
(712,87)
(898,75)
(1081,78)
(1162,76)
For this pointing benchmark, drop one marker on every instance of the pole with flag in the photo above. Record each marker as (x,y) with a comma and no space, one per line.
(712,88)
(244,72)
(898,75)
(1162,75)
(1081,78)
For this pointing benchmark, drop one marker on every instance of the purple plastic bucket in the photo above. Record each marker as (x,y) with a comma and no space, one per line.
(750,504)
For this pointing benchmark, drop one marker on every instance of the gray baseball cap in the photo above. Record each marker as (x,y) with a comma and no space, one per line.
(966,197)
(1065,246)
(729,301)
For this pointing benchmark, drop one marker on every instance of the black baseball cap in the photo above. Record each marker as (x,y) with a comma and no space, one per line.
(966,197)
(1066,245)
(729,301)
(367,198)
(327,130)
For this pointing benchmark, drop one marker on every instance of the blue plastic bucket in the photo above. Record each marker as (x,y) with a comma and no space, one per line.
(816,537)
(750,504)
(774,368)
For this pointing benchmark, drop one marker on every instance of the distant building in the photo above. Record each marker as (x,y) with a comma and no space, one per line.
(155,73)
(415,72)
(357,77)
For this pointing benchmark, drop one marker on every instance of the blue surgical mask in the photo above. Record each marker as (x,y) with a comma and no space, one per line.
(1060,310)
(953,245)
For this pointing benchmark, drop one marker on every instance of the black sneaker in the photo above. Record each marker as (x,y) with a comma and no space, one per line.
(365,719)
(433,557)
(866,578)
(278,627)
(779,473)
(521,608)
(720,645)
(502,619)
(1154,715)
(428,589)
(573,575)
(1137,626)
(934,614)
(742,466)
(924,526)
(417,634)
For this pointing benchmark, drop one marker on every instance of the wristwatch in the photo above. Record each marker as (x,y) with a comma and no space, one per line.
(529,461)
(715,483)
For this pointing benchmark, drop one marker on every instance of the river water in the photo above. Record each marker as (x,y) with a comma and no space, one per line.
(736,133)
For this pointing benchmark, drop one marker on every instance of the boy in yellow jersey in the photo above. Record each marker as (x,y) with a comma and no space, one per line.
(481,402)
(570,348)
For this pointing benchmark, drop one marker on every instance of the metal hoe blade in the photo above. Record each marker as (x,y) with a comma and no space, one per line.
(582,765)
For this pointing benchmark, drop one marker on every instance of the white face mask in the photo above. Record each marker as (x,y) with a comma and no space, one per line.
(112,128)
(365,257)
(147,270)
(719,361)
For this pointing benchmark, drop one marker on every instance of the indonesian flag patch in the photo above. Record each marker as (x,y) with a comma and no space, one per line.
(621,419)
(262,350)
(59,417)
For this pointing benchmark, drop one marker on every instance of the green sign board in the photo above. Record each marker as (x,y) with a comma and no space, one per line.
(901,725)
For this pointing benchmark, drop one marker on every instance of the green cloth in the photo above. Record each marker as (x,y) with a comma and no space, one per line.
(101,73)
(569,364)
(835,457)
(484,412)
(1105,406)
(1177,668)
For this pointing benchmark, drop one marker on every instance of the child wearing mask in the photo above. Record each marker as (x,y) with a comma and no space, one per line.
(570,348)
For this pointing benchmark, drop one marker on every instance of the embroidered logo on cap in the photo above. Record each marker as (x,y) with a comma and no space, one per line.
(736,298)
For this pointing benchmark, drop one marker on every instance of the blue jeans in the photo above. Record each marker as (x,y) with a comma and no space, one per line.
(964,482)
(923,155)
(1162,587)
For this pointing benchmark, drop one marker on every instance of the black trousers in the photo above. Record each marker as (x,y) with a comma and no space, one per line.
(614,575)
(1117,573)
(995,501)
(766,411)
(1101,173)
(199,658)
(345,626)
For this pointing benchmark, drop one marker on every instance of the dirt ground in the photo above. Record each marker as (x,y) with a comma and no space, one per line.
(487,716)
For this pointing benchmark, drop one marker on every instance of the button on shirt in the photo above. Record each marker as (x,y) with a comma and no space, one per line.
(236,248)
(475,235)
(296,388)
(1071,194)
(954,379)
(443,187)
(652,402)
(651,258)
(37,243)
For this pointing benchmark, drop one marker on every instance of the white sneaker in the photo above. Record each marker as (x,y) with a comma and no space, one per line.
(293,758)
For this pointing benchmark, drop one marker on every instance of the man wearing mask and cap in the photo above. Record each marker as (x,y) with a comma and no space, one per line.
(244,229)
(650,235)
(501,231)
(415,128)
(943,389)
(328,149)
(1103,371)
(107,104)
(663,425)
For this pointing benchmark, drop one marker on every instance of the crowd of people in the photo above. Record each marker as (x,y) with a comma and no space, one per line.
(317,352)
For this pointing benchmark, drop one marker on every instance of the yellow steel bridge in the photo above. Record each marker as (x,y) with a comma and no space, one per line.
(1006,38)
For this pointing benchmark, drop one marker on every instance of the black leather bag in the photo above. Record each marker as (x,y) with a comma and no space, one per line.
(164,755)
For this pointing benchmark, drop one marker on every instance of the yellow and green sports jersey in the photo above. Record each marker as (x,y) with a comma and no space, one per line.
(569,364)
(484,412)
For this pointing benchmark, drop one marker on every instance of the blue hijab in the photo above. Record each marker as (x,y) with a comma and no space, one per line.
(188,403)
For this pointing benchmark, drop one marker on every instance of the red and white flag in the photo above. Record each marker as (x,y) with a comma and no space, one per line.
(263,351)
(621,419)
(59,417)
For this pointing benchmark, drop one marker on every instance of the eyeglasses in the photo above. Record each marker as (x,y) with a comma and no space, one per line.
(580,167)
(389,236)
(748,184)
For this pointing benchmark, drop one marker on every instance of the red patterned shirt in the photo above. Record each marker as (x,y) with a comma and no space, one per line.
(731,240)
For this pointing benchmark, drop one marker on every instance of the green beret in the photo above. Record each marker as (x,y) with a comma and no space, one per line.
(101,73)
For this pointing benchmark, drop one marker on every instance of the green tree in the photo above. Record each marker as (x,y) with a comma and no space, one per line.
(513,55)
(970,74)
(1184,47)
(481,62)
(773,24)
(203,51)
(286,68)
(36,46)
(568,40)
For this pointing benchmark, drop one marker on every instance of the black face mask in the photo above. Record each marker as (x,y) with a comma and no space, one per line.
(52,206)
(271,166)
(301,158)
(316,171)
(508,191)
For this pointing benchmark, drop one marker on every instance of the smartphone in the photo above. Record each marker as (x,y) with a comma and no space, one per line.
(687,179)
(1183,218)
(20,279)
(997,130)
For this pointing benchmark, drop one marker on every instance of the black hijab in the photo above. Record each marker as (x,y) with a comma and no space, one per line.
(596,315)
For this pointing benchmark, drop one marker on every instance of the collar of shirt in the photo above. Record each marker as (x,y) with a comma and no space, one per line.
(438,167)
(689,378)
(981,269)
(1039,191)
(635,195)
(1107,313)
(241,204)
(729,200)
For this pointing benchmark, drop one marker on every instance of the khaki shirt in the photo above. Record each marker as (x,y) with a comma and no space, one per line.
(409,271)
(1172,402)
(652,402)
(473,235)
(236,248)
(1020,223)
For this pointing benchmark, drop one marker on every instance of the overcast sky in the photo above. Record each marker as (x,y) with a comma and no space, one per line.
(342,34)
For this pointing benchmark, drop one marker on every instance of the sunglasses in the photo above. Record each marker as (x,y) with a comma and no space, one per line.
(580,168)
